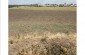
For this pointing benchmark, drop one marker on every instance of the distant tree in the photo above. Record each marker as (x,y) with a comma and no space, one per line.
(61,5)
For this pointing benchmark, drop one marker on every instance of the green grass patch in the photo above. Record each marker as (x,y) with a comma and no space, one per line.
(43,27)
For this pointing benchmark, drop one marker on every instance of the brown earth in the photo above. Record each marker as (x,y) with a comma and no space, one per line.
(42,16)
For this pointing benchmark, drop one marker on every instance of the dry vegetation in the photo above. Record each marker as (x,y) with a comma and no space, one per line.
(42,32)
(46,8)
(45,44)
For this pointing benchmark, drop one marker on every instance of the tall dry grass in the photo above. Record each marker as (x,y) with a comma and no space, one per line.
(45,44)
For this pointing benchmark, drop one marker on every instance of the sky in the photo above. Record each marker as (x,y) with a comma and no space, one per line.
(41,1)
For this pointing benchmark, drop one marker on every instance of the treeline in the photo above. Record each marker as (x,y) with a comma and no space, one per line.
(10,6)
(45,5)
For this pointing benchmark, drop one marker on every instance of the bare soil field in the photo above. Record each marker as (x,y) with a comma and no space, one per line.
(42,16)
(42,31)
(20,20)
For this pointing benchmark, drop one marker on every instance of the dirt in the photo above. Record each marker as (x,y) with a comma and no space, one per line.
(42,16)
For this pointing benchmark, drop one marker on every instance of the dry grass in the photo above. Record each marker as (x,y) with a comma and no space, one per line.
(46,8)
(45,44)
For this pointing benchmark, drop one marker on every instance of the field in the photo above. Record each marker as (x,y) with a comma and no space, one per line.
(46,8)
(42,31)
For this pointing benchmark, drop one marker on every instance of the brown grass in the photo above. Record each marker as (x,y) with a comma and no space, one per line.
(47,44)
(46,8)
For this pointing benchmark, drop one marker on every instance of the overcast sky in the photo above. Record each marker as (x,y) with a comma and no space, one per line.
(40,1)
